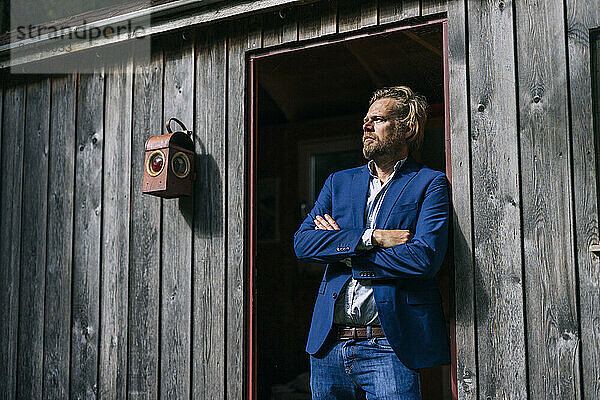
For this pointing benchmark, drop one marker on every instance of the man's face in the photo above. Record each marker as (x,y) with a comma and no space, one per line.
(382,136)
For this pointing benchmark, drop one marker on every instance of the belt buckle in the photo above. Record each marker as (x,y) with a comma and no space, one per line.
(354,333)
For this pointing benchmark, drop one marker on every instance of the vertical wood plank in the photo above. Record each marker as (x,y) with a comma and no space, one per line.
(4,353)
(496,202)
(209,218)
(61,181)
(355,14)
(177,215)
(462,200)
(581,17)
(429,7)
(317,19)
(87,236)
(33,237)
(2,85)
(289,32)
(368,13)
(552,322)
(349,16)
(280,27)
(239,43)
(115,231)
(396,10)
(329,17)
(254,32)
(144,254)
(10,230)
(309,21)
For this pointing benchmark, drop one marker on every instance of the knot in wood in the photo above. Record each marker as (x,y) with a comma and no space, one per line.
(501,5)
(481,108)
(536,99)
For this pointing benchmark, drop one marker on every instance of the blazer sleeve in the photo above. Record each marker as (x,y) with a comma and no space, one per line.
(325,246)
(420,258)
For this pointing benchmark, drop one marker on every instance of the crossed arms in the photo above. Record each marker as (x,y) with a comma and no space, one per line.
(381,237)
(396,254)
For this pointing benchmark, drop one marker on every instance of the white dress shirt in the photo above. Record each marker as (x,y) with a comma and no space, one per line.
(356,304)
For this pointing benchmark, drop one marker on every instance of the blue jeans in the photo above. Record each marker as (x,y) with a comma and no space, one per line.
(352,369)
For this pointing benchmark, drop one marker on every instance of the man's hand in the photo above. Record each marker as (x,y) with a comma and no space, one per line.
(326,223)
(391,237)
(329,224)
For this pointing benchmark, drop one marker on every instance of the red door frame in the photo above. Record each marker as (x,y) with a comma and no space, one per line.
(251,361)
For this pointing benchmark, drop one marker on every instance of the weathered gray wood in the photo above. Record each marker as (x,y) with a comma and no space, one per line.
(239,43)
(87,237)
(496,203)
(429,7)
(33,240)
(396,10)
(4,353)
(144,254)
(280,27)
(209,218)
(115,231)
(464,294)
(368,13)
(10,231)
(581,18)
(317,19)
(254,24)
(355,14)
(309,21)
(205,15)
(550,278)
(2,84)
(61,181)
(349,15)
(177,223)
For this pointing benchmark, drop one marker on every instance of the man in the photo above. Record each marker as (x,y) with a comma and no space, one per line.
(382,230)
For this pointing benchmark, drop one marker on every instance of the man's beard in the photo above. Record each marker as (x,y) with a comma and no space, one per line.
(388,148)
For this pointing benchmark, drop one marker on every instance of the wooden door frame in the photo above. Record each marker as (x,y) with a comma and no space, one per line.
(251,104)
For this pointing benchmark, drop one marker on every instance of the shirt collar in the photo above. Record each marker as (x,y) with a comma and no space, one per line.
(371,165)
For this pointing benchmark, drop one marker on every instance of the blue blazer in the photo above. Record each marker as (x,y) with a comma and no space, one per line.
(402,277)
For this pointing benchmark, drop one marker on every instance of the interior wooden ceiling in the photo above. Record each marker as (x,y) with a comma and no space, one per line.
(338,79)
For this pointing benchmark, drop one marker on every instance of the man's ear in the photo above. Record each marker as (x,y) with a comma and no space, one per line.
(411,128)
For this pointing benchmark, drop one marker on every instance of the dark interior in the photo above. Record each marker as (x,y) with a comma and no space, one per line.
(310,106)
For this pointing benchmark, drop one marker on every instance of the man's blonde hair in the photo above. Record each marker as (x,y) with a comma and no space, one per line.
(410,110)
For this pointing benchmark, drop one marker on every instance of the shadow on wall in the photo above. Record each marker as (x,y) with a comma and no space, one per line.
(207,198)
(463,252)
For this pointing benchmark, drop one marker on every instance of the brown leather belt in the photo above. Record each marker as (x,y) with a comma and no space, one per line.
(358,332)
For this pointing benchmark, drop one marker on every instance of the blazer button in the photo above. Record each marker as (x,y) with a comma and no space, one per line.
(334,295)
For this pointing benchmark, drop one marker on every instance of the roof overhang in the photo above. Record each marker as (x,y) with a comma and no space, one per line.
(171,16)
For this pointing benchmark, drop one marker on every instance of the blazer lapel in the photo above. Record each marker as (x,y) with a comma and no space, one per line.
(360,187)
(408,171)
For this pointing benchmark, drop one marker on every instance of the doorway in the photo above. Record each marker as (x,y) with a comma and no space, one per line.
(308,105)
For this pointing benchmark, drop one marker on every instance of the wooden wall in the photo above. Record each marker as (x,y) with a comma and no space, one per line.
(106,292)
(525,199)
